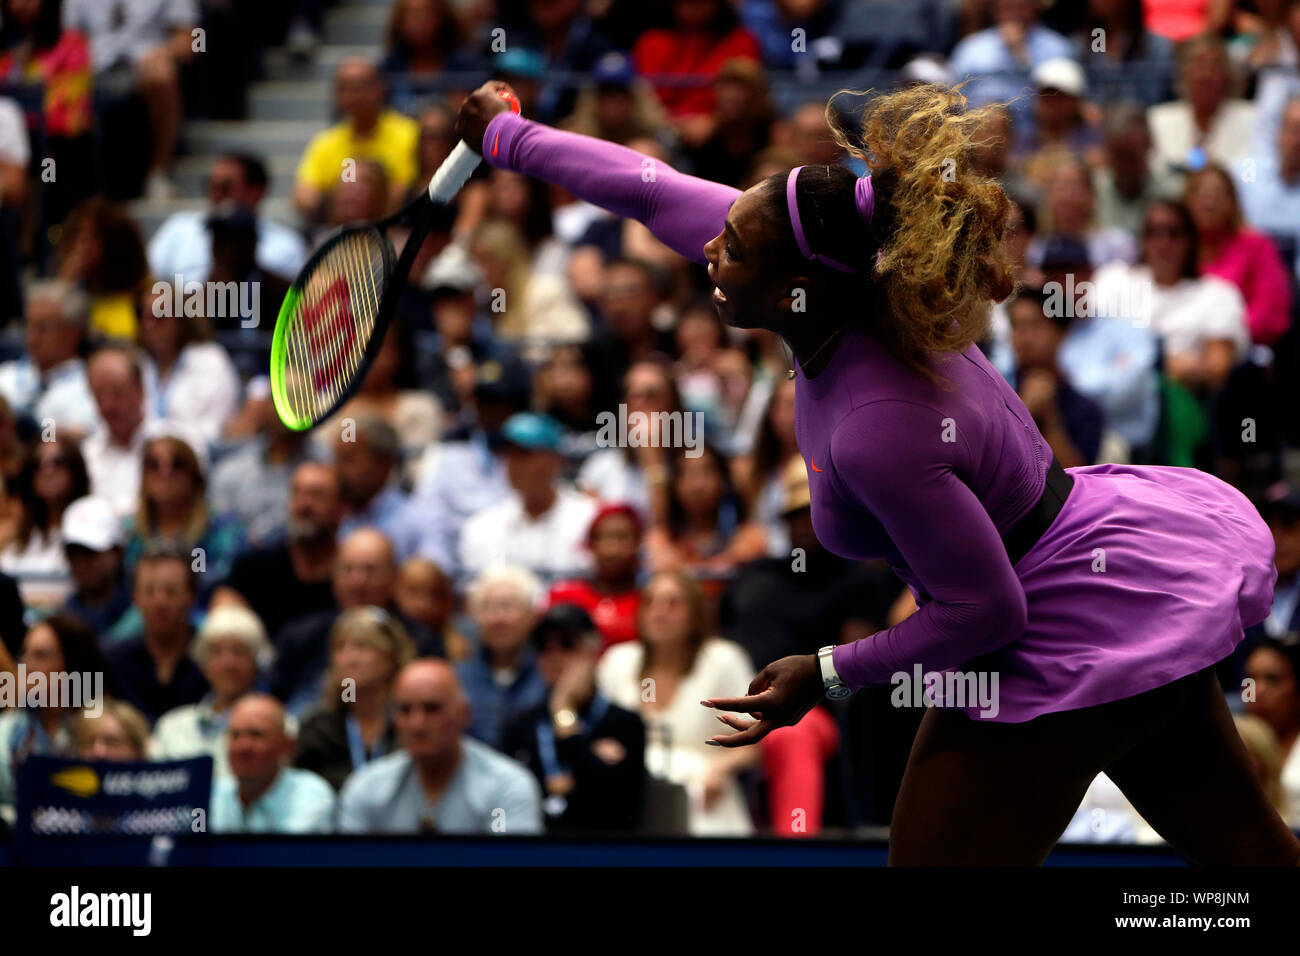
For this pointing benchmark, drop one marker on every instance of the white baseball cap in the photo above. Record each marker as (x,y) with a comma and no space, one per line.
(453,268)
(91,523)
(1061,74)
(927,68)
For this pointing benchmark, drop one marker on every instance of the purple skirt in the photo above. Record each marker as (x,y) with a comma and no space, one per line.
(1148,574)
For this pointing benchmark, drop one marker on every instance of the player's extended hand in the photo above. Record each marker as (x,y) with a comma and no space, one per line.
(478,109)
(779,696)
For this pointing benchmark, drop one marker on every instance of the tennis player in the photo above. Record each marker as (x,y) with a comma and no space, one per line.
(1100,597)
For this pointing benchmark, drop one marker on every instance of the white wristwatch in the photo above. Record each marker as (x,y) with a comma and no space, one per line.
(836,689)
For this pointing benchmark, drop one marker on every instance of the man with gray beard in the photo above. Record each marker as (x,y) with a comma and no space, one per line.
(292,579)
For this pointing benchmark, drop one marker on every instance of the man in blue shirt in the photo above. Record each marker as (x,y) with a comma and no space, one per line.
(49,380)
(1108,357)
(1001,57)
(183,245)
(501,678)
(367,459)
(263,794)
(467,475)
(441,780)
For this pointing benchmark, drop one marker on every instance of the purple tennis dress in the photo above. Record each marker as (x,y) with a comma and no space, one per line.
(1148,574)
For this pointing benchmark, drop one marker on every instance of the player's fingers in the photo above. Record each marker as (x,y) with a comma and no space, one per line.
(751,735)
(740,704)
(735,723)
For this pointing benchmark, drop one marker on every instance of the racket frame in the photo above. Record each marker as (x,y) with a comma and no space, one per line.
(396,269)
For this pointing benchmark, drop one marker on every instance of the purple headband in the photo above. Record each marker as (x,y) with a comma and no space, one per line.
(864,200)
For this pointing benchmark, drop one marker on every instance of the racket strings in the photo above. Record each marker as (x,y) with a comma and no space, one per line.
(333,322)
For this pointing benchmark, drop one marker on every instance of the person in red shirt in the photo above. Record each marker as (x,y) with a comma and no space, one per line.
(611,596)
(705,34)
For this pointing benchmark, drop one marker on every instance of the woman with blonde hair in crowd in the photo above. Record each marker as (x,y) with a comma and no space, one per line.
(173,507)
(663,675)
(231,648)
(527,309)
(118,733)
(354,723)
(526,204)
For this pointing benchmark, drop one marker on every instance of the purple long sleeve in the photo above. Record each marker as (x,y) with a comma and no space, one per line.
(682,211)
(943,534)
(928,477)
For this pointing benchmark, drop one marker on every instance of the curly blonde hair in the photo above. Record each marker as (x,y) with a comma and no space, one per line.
(941,260)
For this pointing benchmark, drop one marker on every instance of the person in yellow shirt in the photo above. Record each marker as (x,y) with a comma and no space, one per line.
(369,131)
(101,251)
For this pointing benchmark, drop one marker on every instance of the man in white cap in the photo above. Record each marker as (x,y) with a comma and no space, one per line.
(1065,120)
(92,543)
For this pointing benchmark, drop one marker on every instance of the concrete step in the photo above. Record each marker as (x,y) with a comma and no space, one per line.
(357,24)
(264,138)
(280,66)
(291,100)
(191,174)
(149,213)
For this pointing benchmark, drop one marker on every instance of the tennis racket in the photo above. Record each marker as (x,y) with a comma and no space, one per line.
(335,314)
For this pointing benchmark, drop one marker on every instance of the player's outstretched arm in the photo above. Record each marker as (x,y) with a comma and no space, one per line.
(684,212)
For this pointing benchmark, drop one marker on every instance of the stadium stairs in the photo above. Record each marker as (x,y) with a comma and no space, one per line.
(287,108)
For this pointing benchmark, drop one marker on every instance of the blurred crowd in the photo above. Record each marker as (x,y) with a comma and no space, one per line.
(453,607)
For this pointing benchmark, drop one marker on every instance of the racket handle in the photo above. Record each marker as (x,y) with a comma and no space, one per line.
(453,173)
(461,163)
